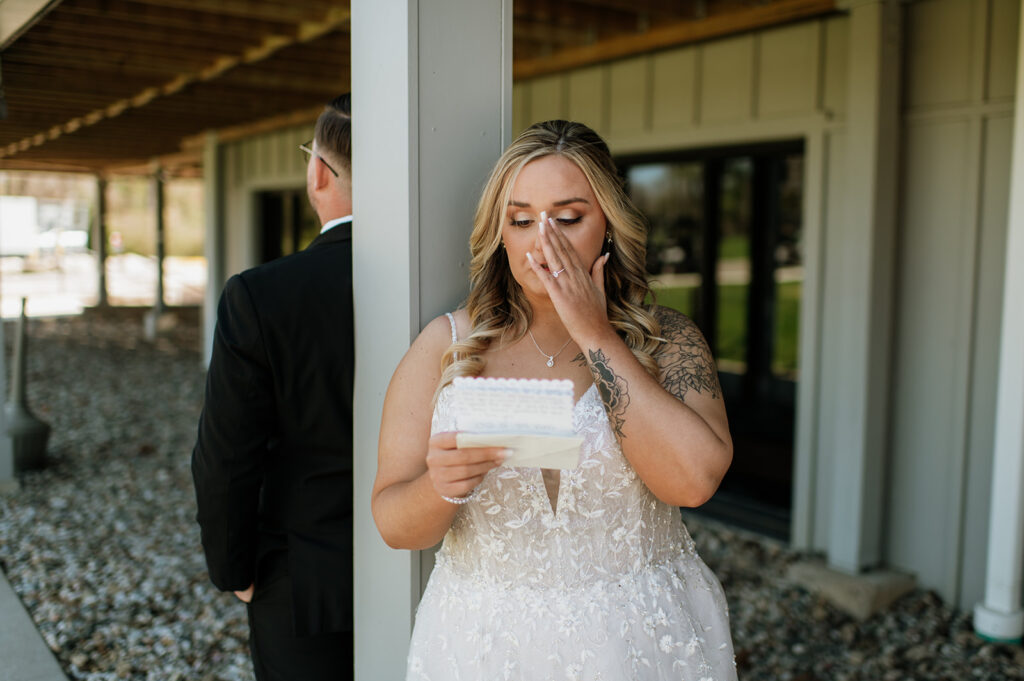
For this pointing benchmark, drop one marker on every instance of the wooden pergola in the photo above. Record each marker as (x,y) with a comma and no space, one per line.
(103,86)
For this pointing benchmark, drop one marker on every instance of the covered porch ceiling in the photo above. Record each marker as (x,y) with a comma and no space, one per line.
(108,86)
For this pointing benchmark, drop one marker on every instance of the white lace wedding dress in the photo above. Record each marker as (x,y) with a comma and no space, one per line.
(607,586)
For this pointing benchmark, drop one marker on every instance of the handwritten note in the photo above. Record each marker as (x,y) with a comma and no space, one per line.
(529,416)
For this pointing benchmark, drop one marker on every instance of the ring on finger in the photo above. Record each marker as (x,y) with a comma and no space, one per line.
(555,274)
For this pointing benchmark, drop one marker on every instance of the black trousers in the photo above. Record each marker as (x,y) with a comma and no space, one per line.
(277,653)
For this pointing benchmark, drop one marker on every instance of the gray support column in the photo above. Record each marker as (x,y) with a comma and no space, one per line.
(213,239)
(867,277)
(161,233)
(430,117)
(1001,616)
(101,240)
(152,320)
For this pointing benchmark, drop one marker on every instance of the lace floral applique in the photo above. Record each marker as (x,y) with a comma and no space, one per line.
(606,586)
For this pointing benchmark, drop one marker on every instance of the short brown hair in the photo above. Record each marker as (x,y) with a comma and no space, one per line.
(333,133)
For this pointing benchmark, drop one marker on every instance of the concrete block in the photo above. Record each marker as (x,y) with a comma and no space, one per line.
(25,655)
(860,596)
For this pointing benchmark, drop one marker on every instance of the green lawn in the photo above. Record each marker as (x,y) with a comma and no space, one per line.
(732,320)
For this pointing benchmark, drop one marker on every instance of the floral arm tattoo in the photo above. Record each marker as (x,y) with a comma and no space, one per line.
(614,390)
(685,359)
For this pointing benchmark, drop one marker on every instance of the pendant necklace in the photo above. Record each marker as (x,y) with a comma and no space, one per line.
(551,358)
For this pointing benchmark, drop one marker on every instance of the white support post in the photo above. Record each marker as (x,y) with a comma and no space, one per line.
(854,542)
(1001,616)
(430,117)
(213,239)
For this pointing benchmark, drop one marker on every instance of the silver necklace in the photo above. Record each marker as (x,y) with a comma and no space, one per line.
(551,358)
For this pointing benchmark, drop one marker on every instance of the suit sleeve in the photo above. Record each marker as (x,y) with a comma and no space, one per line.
(237,421)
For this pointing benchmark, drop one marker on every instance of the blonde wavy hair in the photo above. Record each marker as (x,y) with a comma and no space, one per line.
(497,307)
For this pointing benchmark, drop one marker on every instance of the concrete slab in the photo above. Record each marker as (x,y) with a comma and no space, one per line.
(860,595)
(25,655)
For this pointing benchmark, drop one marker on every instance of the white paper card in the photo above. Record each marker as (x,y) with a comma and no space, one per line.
(529,416)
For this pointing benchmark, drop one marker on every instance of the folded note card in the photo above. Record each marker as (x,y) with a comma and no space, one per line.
(529,416)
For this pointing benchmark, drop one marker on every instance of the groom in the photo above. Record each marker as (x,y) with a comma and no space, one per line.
(272,465)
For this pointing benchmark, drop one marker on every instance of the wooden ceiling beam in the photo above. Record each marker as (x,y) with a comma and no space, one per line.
(169,163)
(122,33)
(50,166)
(222,99)
(130,56)
(31,77)
(112,62)
(583,17)
(306,32)
(186,118)
(280,81)
(655,8)
(683,32)
(286,11)
(549,33)
(237,132)
(99,11)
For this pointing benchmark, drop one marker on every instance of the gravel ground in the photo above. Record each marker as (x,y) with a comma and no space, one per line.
(103,550)
(102,546)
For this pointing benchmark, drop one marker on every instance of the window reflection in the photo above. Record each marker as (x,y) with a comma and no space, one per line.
(789,269)
(671,196)
(732,271)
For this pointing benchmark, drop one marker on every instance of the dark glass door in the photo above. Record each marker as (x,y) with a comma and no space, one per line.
(287,223)
(725,249)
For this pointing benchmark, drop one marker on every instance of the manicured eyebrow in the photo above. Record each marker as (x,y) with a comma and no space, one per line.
(563,202)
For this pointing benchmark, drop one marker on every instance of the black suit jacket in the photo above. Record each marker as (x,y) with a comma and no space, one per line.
(272,465)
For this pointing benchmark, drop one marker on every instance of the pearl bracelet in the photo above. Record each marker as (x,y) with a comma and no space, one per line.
(459,500)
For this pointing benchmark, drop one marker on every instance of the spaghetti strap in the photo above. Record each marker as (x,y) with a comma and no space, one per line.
(455,333)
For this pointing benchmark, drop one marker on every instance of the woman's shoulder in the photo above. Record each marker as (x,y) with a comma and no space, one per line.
(675,326)
(437,334)
(455,324)
(422,362)
(685,358)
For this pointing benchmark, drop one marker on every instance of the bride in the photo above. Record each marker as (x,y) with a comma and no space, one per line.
(587,574)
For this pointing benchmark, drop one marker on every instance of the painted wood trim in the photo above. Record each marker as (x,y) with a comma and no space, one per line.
(805,454)
(17,16)
(867,286)
(941,112)
(681,33)
(733,133)
(963,362)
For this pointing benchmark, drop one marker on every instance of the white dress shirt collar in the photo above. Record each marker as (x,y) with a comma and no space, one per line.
(335,222)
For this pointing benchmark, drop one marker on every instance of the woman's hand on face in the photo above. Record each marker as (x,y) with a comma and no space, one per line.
(456,472)
(576,289)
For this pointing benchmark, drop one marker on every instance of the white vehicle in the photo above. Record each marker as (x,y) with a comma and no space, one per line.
(19,226)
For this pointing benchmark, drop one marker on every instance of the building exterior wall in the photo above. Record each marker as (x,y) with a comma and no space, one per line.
(781,84)
(271,161)
(791,82)
(957,127)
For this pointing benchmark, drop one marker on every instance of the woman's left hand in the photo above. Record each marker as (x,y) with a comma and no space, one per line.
(576,290)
